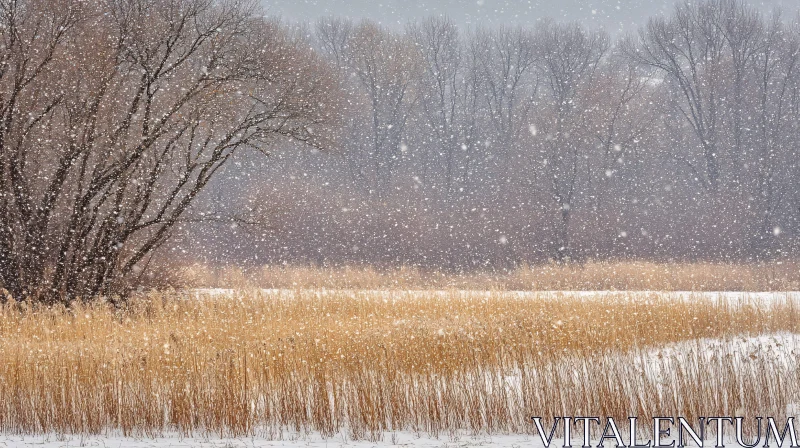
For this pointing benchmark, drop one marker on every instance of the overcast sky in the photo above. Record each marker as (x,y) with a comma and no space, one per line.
(613,15)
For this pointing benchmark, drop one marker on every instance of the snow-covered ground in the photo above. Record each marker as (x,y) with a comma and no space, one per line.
(777,349)
(398,439)
(761,298)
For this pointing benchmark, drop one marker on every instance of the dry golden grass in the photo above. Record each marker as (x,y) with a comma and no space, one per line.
(639,276)
(367,363)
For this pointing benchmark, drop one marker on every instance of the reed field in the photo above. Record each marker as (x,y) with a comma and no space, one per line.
(271,363)
(591,276)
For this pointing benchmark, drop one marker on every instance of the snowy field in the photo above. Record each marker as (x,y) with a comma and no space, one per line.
(733,297)
(399,439)
(775,349)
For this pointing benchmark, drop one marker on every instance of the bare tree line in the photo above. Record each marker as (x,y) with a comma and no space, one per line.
(497,146)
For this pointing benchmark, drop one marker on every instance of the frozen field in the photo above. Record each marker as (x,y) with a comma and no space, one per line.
(401,439)
(776,350)
(735,297)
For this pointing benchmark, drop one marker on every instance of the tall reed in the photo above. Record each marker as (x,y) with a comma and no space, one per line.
(253,362)
(592,276)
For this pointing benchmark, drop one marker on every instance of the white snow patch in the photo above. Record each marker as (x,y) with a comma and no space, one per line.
(399,439)
(734,297)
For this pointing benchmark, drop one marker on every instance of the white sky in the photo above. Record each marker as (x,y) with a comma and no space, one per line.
(614,15)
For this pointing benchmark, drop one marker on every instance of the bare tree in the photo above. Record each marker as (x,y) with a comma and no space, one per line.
(569,57)
(776,70)
(333,35)
(619,115)
(442,88)
(384,65)
(506,58)
(115,116)
(742,27)
(689,49)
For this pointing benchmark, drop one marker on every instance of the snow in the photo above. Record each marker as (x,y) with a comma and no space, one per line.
(775,350)
(734,297)
(398,439)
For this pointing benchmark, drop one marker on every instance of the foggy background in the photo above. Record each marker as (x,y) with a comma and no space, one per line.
(648,198)
(615,16)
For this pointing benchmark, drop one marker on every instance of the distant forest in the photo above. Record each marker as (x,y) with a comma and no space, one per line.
(491,147)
